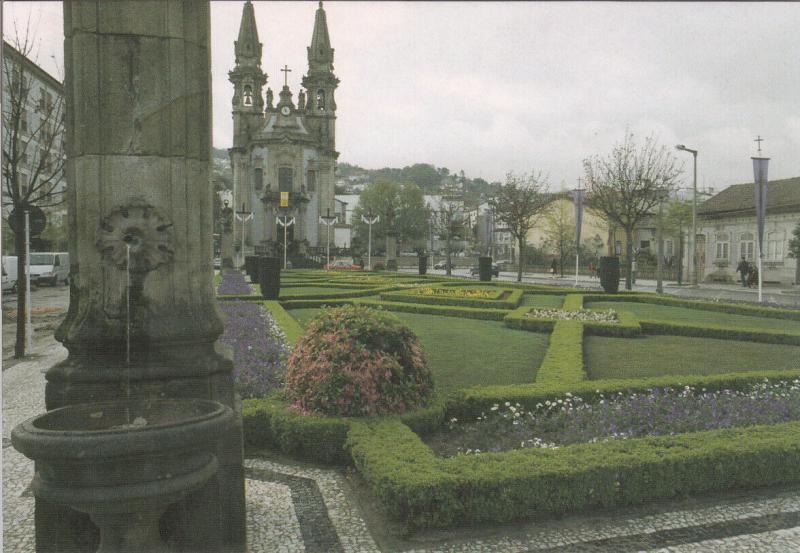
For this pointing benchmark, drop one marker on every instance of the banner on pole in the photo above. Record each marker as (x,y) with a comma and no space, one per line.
(578,199)
(760,166)
(284,199)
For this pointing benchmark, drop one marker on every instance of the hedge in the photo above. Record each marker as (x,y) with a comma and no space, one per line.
(627,326)
(731,308)
(563,362)
(424,309)
(425,491)
(511,302)
(268,422)
(573,302)
(720,332)
(291,328)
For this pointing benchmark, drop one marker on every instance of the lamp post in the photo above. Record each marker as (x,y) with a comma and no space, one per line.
(328,220)
(692,265)
(370,219)
(662,194)
(285,222)
(243,216)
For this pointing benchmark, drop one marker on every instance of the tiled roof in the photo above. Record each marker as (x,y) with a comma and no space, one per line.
(782,196)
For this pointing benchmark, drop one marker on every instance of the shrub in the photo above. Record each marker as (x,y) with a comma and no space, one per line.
(355,361)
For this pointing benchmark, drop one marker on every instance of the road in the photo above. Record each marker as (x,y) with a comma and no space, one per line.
(783,297)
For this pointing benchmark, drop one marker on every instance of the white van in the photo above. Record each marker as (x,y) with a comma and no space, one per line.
(9,273)
(50,268)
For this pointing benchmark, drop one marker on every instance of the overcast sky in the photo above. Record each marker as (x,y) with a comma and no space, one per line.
(493,87)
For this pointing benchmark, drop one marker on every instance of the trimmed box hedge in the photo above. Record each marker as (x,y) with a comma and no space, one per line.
(419,308)
(425,491)
(511,302)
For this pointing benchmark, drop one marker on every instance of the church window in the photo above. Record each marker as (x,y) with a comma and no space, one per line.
(320,100)
(258,178)
(285,175)
(248,95)
(311,180)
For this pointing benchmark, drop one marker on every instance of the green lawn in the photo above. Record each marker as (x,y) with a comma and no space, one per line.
(676,355)
(467,352)
(543,301)
(651,312)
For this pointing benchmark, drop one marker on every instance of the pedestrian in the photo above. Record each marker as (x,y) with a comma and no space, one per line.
(743,268)
(592,270)
(752,276)
(554,267)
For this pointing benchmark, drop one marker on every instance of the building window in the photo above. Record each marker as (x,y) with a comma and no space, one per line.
(258,178)
(23,120)
(285,175)
(618,247)
(644,244)
(774,245)
(723,246)
(311,181)
(746,246)
(247,94)
(320,100)
(668,248)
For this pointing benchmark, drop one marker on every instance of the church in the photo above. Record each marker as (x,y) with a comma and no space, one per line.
(284,154)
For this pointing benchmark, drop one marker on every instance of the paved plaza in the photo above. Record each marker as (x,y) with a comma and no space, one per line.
(300,508)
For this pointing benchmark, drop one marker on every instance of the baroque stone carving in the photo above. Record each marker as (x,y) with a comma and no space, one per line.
(142,227)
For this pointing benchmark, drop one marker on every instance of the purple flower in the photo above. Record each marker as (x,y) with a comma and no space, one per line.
(233,283)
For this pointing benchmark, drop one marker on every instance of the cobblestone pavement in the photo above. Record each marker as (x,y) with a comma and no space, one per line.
(301,509)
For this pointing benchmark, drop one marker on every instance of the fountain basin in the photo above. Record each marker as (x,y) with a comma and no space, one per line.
(122,463)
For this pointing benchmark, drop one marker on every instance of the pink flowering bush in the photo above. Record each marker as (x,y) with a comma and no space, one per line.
(357,361)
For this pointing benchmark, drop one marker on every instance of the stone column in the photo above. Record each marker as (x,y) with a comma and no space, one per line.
(138,128)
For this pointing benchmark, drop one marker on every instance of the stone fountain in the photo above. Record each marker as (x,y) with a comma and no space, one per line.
(142,321)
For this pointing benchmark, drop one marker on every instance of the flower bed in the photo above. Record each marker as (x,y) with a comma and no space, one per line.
(233,283)
(459,293)
(259,348)
(609,316)
(654,412)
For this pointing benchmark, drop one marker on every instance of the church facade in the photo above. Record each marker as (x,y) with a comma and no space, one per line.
(284,150)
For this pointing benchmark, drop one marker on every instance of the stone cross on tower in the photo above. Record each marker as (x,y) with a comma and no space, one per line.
(286,72)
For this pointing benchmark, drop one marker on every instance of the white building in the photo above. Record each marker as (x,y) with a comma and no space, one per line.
(727,232)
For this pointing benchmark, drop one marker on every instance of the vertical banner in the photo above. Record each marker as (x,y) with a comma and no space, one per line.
(284,199)
(578,197)
(760,165)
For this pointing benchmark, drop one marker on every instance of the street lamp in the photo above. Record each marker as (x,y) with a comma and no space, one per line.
(760,166)
(285,222)
(370,220)
(328,220)
(243,216)
(692,267)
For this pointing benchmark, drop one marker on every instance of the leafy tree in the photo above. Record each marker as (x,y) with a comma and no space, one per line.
(401,208)
(33,139)
(449,222)
(625,185)
(794,252)
(516,206)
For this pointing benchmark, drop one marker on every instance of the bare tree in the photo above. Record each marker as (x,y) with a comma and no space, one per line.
(625,185)
(33,131)
(517,204)
(559,229)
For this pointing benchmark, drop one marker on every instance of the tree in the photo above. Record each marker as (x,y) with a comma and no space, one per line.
(559,229)
(449,223)
(401,208)
(32,140)
(794,253)
(516,206)
(679,216)
(625,185)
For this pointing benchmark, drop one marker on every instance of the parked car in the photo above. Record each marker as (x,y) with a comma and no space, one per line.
(50,268)
(442,265)
(504,264)
(495,270)
(343,264)
(9,273)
